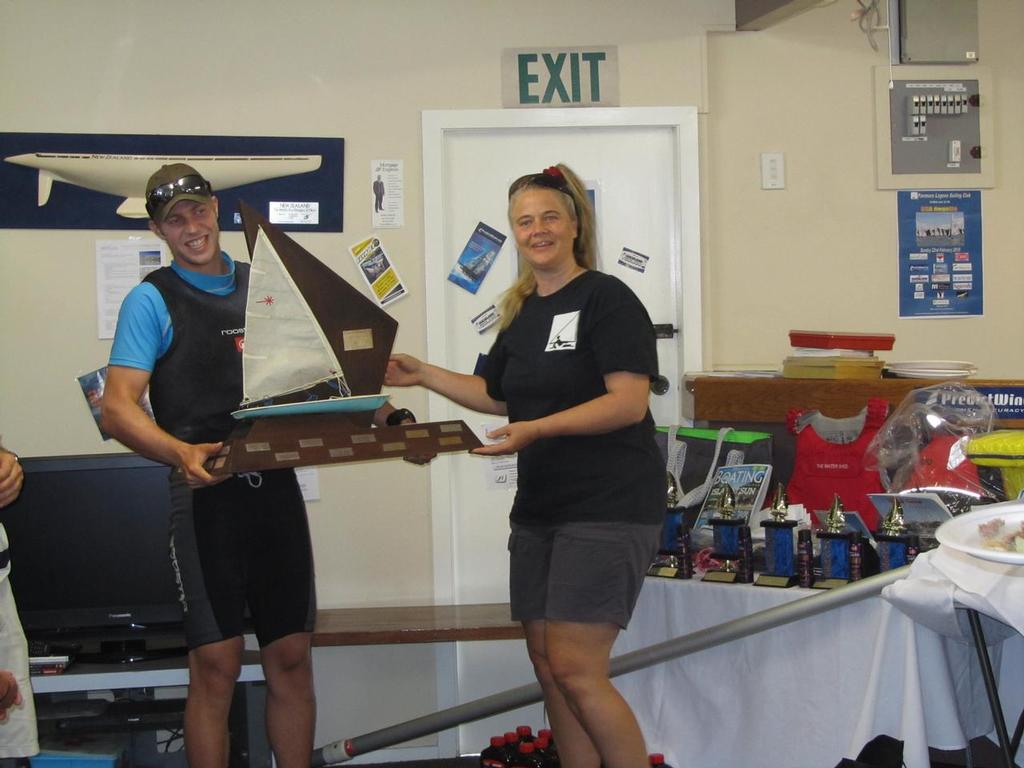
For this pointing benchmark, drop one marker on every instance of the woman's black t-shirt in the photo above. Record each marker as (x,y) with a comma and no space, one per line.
(554,356)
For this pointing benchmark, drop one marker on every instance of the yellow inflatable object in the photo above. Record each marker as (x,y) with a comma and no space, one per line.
(1003,448)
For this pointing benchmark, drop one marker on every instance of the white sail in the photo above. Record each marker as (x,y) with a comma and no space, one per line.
(285,349)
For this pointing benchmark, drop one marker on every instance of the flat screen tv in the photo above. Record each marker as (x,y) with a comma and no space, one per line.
(90,567)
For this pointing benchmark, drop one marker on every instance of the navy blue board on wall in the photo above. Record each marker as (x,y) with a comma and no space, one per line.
(311,177)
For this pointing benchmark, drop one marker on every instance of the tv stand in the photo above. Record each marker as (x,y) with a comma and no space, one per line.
(128,652)
(136,681)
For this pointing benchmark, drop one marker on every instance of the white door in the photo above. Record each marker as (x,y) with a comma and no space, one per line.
(642,167)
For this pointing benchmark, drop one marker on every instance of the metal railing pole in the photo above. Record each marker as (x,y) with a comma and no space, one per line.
(346,749)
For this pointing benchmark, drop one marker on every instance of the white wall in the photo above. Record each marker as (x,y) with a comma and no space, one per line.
(822,252)
(819,254)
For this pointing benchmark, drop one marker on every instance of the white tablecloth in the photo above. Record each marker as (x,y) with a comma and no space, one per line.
(806,694)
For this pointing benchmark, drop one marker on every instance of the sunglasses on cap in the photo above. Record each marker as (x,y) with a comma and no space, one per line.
(159,196)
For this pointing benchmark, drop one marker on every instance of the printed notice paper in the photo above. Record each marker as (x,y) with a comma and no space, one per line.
(477,257)
(633,260)
(120,266)
(387,186)
(502,471)
(486,319)
(378,271)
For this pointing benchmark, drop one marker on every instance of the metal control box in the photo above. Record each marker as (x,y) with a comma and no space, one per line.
(934,127)
(938,31)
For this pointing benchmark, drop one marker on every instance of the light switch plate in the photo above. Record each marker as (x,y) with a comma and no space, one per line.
(773,170)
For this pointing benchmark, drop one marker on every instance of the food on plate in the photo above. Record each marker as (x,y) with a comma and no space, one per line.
(993,536)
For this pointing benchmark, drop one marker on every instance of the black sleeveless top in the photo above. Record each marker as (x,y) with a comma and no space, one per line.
(198,381)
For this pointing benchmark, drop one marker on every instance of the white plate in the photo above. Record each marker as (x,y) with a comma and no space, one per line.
(332,405)
(961,533)
(932,369)
(945,365)
(931,374)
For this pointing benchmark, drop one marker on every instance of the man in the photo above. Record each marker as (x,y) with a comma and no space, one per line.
(243,539)
(17,711)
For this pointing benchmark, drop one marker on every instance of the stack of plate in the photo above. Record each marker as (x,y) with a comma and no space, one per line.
(931,369)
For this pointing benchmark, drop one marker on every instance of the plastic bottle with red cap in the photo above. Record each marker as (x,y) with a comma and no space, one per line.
(543,748)
(526,756)
(495,755)
(657,760)
(511,743)
(525,733)
(547,748)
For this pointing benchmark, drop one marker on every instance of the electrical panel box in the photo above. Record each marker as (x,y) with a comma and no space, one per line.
(933,128)
(938,31)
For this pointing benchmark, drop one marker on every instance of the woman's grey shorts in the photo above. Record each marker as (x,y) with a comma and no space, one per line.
(579,571)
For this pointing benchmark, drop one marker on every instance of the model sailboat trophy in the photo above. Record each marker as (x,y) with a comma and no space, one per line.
(313,364)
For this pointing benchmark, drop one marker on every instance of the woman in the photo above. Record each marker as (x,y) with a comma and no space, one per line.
(571,367)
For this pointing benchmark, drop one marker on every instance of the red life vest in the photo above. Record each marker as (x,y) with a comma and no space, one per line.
(943,463)
(823,468)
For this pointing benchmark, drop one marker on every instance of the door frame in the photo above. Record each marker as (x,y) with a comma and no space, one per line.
(437,126)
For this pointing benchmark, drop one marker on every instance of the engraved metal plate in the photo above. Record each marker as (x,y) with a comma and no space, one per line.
(361,338)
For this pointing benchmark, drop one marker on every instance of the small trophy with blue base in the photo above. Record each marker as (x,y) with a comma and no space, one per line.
(780,570)
(893,539)
(726,543)
(834,542)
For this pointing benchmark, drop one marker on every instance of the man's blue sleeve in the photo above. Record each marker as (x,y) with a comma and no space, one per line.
(144,330)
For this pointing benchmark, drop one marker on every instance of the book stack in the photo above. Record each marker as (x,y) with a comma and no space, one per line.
(835,355)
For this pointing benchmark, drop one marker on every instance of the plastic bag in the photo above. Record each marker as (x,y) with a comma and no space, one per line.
(922,446)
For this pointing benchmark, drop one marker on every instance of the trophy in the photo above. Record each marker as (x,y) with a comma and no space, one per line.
(726,544)
(674,563)
(673,560)
(671,491)
(779,570)
(834,541)
(893,540)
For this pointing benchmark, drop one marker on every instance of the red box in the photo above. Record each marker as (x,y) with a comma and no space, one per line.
(841,340)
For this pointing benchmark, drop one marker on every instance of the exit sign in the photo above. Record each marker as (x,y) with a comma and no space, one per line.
(560,77)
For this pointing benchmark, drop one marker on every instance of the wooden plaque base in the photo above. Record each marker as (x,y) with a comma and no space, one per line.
(302,441)
(722,577)
(767,580)
(663,571)
(830,583)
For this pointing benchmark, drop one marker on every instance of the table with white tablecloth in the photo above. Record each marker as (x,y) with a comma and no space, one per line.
(806,694)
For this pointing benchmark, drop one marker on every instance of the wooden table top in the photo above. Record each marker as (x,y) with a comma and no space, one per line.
(415,624)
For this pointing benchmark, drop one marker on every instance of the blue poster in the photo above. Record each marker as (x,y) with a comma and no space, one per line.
(97,181)
(940,254)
